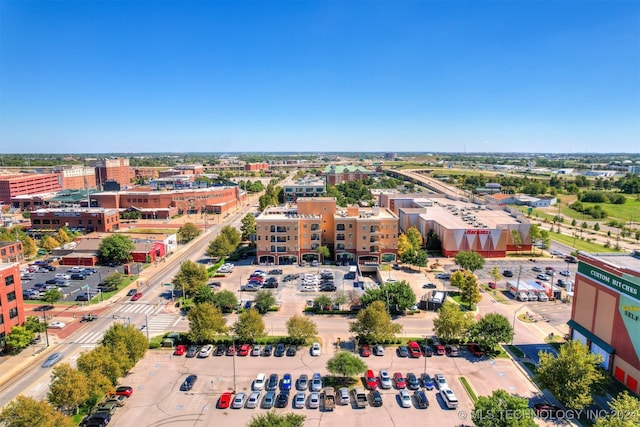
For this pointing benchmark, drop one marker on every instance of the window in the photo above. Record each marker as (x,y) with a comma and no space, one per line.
(9,280)
(364,237)
(340,227)
(1,319)
(13,313)
(340,246)
(11,296)
(350,225)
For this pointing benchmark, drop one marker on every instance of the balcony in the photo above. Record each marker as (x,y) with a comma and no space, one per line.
(374,239)
(275,248)
(278,229)
(278,239)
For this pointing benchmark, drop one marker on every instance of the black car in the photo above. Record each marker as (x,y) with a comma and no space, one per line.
(376,398)
(412,381)
(268,349)
(507,273)
(188,383)
(132,292)
(279,350)
(275,272)
(421,399)
(328,288)
(192,351)
(51,268)
(99,419)
(82,297)
(292,350)
(271,282)
(272,382)
(220,350)
(52,282)
(78,276)
(427,351)
(282,400)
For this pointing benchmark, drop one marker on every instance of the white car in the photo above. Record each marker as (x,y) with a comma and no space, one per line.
(238,401)
(314,400)
(405,399)
(259,382)
(63,276)
(441,381)
(56,325)
(253,400)
(385,380)
(298,400)
(205,351)
(315,349)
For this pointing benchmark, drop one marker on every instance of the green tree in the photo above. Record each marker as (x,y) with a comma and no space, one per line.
(451,322)
(534,233)
(249,326)
(468,285)
(51,296)
(98,385)
(33,324)
(232,234)
(116,248)
(102,362)
(62,236)
(397,296)
(346,364)
(225,300)
(263,301)
(220,247)
(248,226)
(273,419)
(340,298)
(188,232)
(68,389)
(516,239)
(27,412)
(112,281)
(420,258)
(301,327)
(205,323)
(190,276)
(135,342)
(469,260)
(19,338)
(625,412)
(501,402)
(373,324)
(203,294)
(572,376)
(495,273)
(414,237)
(323,252)
(322,301)
(491,330)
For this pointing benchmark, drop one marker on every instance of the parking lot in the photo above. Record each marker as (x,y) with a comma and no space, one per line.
(69,286)
(157,399)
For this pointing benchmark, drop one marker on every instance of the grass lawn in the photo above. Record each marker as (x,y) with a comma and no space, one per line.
(625,212)
(581,245)
(467,387)
(126,281)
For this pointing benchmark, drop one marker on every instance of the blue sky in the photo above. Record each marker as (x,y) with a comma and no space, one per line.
(176,76)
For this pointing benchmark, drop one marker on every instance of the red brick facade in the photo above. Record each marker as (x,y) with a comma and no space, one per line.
(28,183)
(11,304)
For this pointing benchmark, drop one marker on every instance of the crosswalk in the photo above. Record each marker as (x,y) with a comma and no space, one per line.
(139,308)
(157,324)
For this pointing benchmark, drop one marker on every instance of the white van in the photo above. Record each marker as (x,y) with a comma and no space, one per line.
(522,296)
(543,297)
(449,398)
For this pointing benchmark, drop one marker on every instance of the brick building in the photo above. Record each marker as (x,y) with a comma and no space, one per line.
(11,252)
(76,177)
(256,167)
(27,183)
(117,170)
(288,235)
(11,304)
(82,219)
(165,204)
(307,187)
(182,170)
(337,174)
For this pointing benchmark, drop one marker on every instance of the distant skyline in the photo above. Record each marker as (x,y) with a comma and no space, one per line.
(320,76)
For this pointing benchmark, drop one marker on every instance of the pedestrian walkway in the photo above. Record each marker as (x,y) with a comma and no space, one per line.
(88,339)
(139,308)
(161,323)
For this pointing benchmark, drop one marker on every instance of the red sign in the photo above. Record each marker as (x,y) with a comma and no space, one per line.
(476,232)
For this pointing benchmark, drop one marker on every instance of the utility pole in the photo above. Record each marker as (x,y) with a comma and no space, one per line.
(515,312)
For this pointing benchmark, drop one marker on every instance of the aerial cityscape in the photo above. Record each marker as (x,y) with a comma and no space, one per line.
(319,213)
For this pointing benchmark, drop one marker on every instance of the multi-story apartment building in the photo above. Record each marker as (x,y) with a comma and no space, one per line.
(117,170)
(76,177)
(182,170)
(11,252)
(288,235)
(256,166)
(27,183)
(81,219)
(308,187)
(345,173)
(11,304)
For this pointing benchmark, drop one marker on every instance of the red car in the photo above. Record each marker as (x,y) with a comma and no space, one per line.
(136,296)
(225,400)
(492,285)
(124,391)
(231,350)
(399,380)
(244,350)
(440,350)
(476,350)
(180,350)
(372,380)
(365,351)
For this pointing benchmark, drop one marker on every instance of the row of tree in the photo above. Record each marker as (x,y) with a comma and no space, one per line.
(96,374)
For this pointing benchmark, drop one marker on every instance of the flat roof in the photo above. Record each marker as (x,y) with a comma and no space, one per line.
(622,261)
(468,216)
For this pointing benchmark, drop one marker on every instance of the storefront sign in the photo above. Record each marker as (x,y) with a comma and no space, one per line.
(619,284)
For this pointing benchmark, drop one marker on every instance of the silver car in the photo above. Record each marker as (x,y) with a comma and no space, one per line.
(253,400)
(238,401)
(314,400)
(298,400)
(343,396)
(385,380)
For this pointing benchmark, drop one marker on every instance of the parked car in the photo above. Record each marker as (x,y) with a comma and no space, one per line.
(427,381)
(269,399)
(476,350)
(542,277)
(378,350)
(78,276)
(189,383)
(225,400)
(343,396)
(376,398)
(180,350)
(302,383)
(292,350)
(123,390)
(399,380)
(256,350)
(280,350)
(220,350)
(452,350)
(205,351)
(385,380)
(238,400)
(316,382)
(231,350)
(192,351)
(299,399)
(405,399)
(244,350)
(507,273)
(412,381)
(441,382)
(315,349)
(371,380)
(253,400)
(282,400)
(285,384)
(403,351)
(547,411)
(272,382)
(565,273)
(260,381)
(314,400)
(268,349)
(537,269)
(421,399)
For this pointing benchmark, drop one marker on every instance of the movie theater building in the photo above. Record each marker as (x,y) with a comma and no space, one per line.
(606,312)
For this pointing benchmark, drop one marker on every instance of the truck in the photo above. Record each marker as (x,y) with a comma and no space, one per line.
(328,399)
(359,397)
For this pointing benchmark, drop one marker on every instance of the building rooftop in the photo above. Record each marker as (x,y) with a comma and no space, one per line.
(454,214)
(620,261)
(345,168)
(75,210)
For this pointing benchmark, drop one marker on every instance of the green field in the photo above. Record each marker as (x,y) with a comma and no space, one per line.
(628,212)
(581,245)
